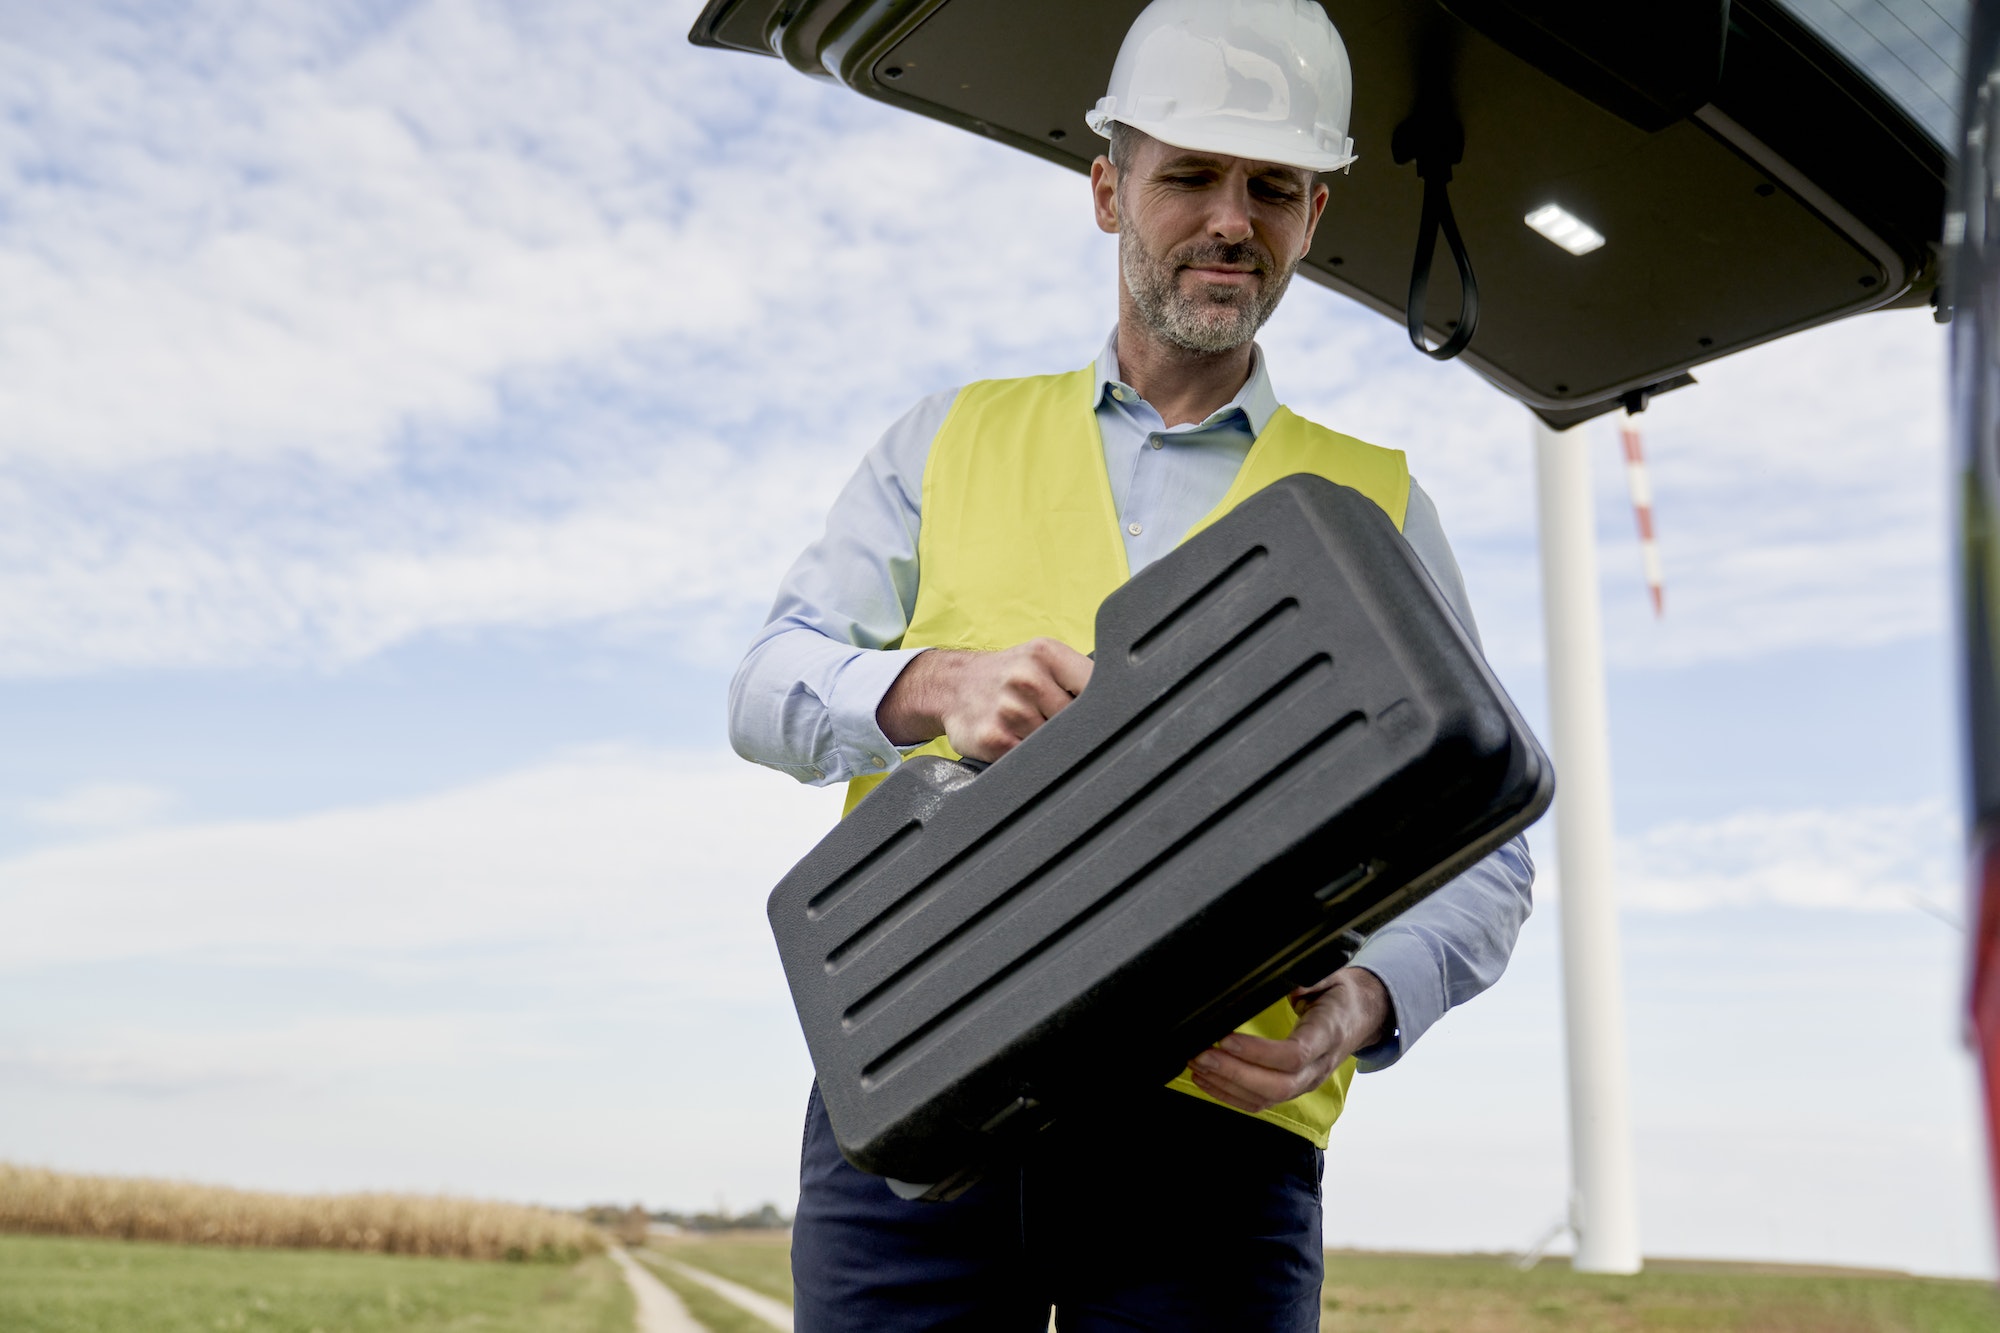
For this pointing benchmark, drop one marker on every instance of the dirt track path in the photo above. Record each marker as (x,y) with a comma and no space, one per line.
(660,1311)
(775,1313)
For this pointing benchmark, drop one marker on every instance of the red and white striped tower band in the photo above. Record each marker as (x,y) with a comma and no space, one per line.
(1642,508)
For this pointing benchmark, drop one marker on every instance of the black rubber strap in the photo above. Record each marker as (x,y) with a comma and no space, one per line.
(1437,214)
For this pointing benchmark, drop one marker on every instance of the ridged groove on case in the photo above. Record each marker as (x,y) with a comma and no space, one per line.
(912,1046)
(875,863)
(1099,836)
(1241,572)
(1244,644)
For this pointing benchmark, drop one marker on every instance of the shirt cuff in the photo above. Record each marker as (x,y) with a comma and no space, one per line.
(860,749)
(1408,970)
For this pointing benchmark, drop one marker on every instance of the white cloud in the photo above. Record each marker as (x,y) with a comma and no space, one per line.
(426,994)
(101,806)
(659,861)
(308,1053)
(649,866)
(294,240)
(1868,858)
(1745,1044)
(321,339)
(1799,488)
(1800,499)
(304,239)
(297,582)
(324,334)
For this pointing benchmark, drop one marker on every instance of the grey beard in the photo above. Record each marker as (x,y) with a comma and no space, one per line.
(1189,322)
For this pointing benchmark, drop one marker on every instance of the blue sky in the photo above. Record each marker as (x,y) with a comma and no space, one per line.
(406,412)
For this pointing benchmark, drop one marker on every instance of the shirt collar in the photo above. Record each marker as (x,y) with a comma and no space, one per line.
(1256,400)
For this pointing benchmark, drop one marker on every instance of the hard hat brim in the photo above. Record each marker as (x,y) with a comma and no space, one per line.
(1232,139)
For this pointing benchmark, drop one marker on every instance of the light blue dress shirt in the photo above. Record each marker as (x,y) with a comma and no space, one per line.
(804,699)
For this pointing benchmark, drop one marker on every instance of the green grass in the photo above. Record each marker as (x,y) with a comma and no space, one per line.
(1373,1293)
(52,1285)
(1381,1293)
(761,1263)
(96,1286)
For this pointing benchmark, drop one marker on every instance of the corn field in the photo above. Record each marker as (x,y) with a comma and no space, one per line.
(52,1203)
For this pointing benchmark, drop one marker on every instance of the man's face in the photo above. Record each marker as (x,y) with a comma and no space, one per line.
(1206,242)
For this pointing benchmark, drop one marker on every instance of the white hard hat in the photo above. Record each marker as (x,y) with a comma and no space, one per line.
(1266,79)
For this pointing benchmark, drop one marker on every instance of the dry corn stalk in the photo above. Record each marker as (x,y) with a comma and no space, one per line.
(52,1203)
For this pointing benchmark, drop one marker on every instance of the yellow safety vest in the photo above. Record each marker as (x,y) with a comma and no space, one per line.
(1020,540)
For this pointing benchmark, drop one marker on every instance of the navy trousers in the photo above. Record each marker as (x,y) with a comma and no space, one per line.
(1184,1216)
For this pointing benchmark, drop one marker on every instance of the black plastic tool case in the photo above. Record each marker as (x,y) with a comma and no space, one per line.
(1287,740)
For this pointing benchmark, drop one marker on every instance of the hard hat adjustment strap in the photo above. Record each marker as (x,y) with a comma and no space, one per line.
(1435,145)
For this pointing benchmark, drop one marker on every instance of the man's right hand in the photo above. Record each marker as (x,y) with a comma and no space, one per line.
(985,704)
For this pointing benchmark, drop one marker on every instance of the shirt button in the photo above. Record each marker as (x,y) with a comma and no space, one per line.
(1135,528)
(1119,393)
(1157,441)
(877,761)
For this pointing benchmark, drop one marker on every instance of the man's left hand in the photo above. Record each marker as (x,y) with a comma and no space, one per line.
(1347,1012)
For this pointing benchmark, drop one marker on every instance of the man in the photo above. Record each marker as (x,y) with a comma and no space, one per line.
(948,608)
